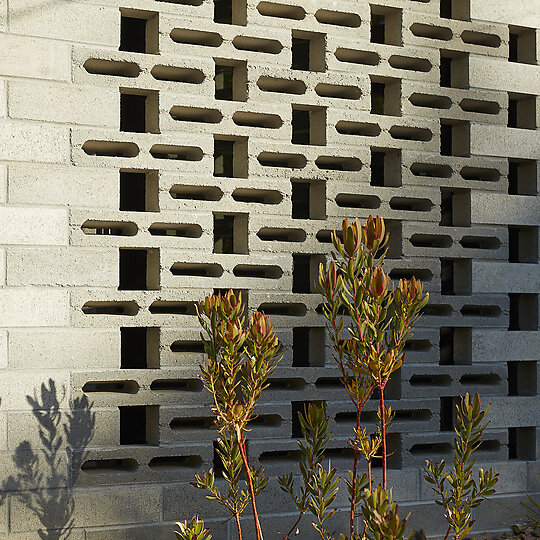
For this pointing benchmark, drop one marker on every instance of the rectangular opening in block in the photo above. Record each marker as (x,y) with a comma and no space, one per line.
(523,244)
(522,443)
(455,9)
(386,25)
(308,347)
(301,274)
(139,111)
(308,199)
(377,27)
(139,348)
(456,276)
(230,233)
(455,207)
(139,424)
(230,12)
(522,177)
(230,157)
(455,137)
(139,191)
(308,125)
(300,126)
(523,312)
(455,346)
(454,69)
(522,45)
(377,97)
(521,111)
(139,31)
(305,272)
(308,51)
(230,80)
(522,378)
(385,96)
(300,199)
(139,269)
(385,167)
(447,411)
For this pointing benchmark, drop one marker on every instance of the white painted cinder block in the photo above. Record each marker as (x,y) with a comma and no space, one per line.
(21,141)
(26,57)
(78,20)
(25,306)
(17,384)
(33,226)
(499,74)
(66,266)
(43,184)
(519,13)
(64,349)
(64,103)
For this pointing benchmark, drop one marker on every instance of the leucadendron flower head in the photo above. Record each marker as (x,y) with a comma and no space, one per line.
(379,283)
(373,234)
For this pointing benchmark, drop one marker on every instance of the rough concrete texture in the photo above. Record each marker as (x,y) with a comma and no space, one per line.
(152,152)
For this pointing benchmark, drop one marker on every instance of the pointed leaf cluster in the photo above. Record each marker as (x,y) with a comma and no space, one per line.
(458,491)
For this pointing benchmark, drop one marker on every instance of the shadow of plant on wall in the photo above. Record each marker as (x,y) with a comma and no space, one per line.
(46,476)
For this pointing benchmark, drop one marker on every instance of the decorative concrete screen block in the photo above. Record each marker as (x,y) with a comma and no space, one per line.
(153,152)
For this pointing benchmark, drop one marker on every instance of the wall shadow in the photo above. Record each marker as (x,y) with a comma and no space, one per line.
(46,476)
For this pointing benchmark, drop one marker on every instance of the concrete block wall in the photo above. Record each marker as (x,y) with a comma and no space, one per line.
(154,151)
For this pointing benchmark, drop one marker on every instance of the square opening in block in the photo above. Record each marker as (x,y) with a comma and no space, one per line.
(522,46)
(455,138)
(385,167)
(139,111)
(455,346)
(230,80)
(139,424)
(230,157)
(454,69)
(447,413)
(139,348)
(308,125)
(308,347)
(385,96)
(308,51)
(521,111)
(522,443)
(523,244)
(455,207)
(306,272)
(455,9)
(456,276)
(522,177)
(230,12)
(386,25)
(139,191)
(139,269)
(308,199)
(230,233)
(522,378)
(139,31)
(523,312)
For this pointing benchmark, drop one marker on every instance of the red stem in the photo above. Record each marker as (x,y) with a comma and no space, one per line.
(447,533)
(241,444)
(294,526)
(353,496)
(238,525)
(383,434)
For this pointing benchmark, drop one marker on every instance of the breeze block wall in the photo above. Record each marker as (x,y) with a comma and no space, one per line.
(155,151)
